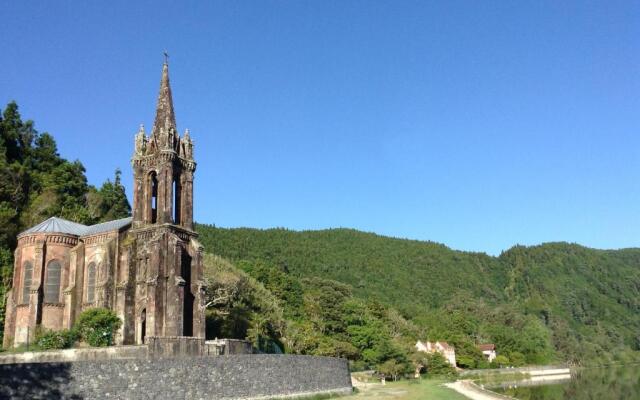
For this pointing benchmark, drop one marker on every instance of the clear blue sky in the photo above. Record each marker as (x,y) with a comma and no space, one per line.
(477,124)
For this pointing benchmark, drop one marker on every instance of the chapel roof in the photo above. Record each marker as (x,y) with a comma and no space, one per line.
(116,224)
(61,225)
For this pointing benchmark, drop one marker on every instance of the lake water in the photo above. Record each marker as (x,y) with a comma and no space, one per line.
(612,383)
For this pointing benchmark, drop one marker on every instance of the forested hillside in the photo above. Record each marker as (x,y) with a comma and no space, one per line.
(554,302)
(352,294)
(36,183)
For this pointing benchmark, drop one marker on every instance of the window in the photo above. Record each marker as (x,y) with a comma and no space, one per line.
(52,282)
(26,281)
(176,201)
(153,181)
(91,283)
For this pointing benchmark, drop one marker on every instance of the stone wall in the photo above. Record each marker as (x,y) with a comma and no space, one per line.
(259,376)
(175,346)
(88,354)
(227,347)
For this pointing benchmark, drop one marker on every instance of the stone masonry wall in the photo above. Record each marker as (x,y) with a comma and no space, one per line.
(76,354)
(259,376)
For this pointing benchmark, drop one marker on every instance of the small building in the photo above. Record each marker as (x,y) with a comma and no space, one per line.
(488,351)
(447,351)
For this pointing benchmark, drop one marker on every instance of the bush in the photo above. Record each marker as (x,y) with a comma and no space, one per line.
(97,326)
(48,340)
(517,359)
(501,361)
(437,365)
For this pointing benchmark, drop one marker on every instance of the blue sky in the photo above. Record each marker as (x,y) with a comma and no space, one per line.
(476,124)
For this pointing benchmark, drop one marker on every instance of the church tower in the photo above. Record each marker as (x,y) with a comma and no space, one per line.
(163,168)
(164,256)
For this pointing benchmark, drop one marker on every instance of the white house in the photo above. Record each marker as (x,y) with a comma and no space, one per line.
(447,351)
(488,351)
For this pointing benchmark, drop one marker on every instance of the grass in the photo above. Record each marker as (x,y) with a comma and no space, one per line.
(422,389)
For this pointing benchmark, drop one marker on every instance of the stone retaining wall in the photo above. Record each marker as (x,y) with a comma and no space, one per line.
(257,376)
(88,354)
(175,346)
(531,370)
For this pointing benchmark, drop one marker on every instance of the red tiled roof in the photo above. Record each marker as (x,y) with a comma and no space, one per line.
(487,347)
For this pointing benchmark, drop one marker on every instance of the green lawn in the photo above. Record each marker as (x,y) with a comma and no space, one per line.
(423,389)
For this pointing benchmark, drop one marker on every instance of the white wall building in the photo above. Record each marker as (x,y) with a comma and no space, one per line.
(488,351)
(447,351)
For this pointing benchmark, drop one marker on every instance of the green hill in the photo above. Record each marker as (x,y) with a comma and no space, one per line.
(353,294)
(553,302)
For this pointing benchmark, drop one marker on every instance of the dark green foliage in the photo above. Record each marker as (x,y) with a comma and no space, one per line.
(109,202)
(394,369)
(36,183)
(6,267)
(97,326)
(240,307)
(313,316)
(374,266)
(287,289)
(435,365)
(48,340)
(554,302)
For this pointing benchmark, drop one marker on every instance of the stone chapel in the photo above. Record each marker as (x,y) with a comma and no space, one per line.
(146,268)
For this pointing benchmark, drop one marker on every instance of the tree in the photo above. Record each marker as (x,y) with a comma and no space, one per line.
(517,359)
(501,361)
(392,368)
(112,203)
(436,365)
(6,267)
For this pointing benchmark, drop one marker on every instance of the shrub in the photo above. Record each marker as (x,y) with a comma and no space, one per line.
(517,359)
(47,339)
(501,361)
(434,364)
(97,326)
(437,365)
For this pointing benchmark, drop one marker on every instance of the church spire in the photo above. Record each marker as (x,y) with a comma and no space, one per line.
(164,127)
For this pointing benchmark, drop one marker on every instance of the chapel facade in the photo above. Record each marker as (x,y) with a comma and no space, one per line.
(147,268)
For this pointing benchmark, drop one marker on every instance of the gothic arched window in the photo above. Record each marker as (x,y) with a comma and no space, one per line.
(52,282)
(153,182)
(176,200)
(91,283)
(26,281)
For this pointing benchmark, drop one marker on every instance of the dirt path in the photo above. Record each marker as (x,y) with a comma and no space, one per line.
(378,390)
(470,390)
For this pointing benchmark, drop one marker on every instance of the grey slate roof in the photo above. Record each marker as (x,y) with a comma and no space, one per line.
(55,224)
(107,226)
(59,225)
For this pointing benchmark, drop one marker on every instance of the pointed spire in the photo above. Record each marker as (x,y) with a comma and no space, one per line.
(165,117)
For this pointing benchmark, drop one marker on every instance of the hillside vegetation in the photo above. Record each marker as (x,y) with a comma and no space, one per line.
(352,294)
(553,302)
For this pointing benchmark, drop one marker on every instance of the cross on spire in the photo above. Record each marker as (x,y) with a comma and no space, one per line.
(166,57)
